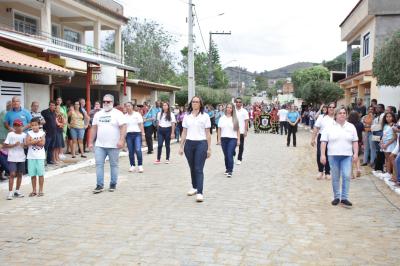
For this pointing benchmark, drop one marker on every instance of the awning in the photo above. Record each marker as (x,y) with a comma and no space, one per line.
(152,85)
(50,47)
(15,61)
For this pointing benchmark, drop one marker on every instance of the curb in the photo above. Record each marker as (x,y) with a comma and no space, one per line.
(73,167)
(388,182)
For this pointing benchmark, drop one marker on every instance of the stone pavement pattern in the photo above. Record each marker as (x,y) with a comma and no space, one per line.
(272,212)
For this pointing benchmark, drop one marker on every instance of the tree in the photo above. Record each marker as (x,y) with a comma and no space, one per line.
(261,83)
(321,91)
(209,96)
(386,66)
(147,46)
(301,77)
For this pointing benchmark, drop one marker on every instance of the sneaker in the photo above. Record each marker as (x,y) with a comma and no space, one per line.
(10,196)
(140,168)
(192,192)
(62,156)
(98,189)
(229,175)
(346,203)
(18,194)
(112,188)
(239,162)
(226,173)
(199,198)
(167,162)
(157,162)
(132,168)
(335,202)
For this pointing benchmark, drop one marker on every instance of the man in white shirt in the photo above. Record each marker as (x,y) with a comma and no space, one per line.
(243,118)
(109,130)
(282,113)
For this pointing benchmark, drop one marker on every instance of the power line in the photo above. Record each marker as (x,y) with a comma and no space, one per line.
(201,33)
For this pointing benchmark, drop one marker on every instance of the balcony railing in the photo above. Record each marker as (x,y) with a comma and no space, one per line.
(353,68)
(44,36)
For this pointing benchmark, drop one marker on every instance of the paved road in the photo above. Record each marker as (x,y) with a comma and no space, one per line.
(273,211)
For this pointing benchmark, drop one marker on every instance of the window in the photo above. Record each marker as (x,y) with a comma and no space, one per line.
(25,24)
(72,36)
(366,44)
(55,31)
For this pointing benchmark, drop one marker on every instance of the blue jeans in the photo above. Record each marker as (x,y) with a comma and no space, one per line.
(368,148)
(196,155)
(228,147)
(164,134)
(340,167)
(100,155)
(397,163)
(134,143)
(177,133)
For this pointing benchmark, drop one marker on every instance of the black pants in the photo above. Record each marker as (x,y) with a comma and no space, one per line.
(292,130)
(148,131)
(322,167)
(241,148)
(155,132)
(283,125)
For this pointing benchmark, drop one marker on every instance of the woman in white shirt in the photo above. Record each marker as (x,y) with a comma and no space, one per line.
(196,143)
(229,136)
(166,130)
(342,141)
(134,134)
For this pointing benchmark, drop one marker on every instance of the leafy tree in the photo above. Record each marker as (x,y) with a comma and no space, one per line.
(339,62)
(301,77)
(209,96)
(321,91)
(147,46)
(261,83)
(386,66)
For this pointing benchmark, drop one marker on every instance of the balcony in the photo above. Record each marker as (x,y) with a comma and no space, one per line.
(353,68)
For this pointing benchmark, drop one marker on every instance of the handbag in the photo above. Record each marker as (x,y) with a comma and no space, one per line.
(377,135)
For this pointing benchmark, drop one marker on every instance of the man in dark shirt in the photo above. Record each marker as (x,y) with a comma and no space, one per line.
(360,108)
(50,127)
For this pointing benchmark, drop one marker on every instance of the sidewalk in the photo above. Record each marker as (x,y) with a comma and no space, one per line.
(72,165)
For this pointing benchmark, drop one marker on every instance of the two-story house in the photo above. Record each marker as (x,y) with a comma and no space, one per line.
(56,32)
(368,25)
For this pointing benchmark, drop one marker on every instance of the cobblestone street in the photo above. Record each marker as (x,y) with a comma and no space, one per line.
(272,212)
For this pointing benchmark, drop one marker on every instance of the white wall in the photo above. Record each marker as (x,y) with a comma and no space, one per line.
(389,96)
(37,92)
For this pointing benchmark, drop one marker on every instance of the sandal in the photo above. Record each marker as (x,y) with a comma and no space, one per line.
(32,194)
(73,156)
(83,156)
(40,194)
(358,173)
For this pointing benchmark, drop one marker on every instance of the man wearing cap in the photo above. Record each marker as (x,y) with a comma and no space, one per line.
(17,112)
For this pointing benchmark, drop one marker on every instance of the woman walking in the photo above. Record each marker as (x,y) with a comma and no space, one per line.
(166,131)
(135,131)
(196,143)
(325,119)
(342,141)
(77,128)
(228,136)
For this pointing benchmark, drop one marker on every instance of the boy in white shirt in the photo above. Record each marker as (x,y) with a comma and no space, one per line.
(16,157)
(36,155)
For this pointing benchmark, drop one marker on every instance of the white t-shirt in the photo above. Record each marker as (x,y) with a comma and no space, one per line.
(133,121)
(226,125)
(340,138)
(282,115)
(196,126)
(108,124)
(242,116)
(36,152)
(163,122)
(16,154)
(323,122)
(377,123)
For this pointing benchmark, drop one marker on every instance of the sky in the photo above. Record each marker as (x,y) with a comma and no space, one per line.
(266,34)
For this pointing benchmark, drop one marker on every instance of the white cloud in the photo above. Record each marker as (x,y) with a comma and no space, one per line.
(266,34)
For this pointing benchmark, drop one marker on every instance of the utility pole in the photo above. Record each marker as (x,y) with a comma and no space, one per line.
(191,80)
(210,67)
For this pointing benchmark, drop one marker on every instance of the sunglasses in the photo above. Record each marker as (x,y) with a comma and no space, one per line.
(107,101)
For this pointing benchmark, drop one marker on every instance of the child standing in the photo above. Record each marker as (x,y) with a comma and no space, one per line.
(36,156)
(16,158)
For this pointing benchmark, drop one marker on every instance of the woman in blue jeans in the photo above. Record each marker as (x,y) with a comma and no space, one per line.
(135,131)
(228,136)
(342,141)
(166,131)
(196,143)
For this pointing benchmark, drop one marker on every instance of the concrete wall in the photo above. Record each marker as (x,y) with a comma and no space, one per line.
(37,92)
(140,95)
(366,62)
(356,18)
(384,7)
(389,96)
(385,27)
